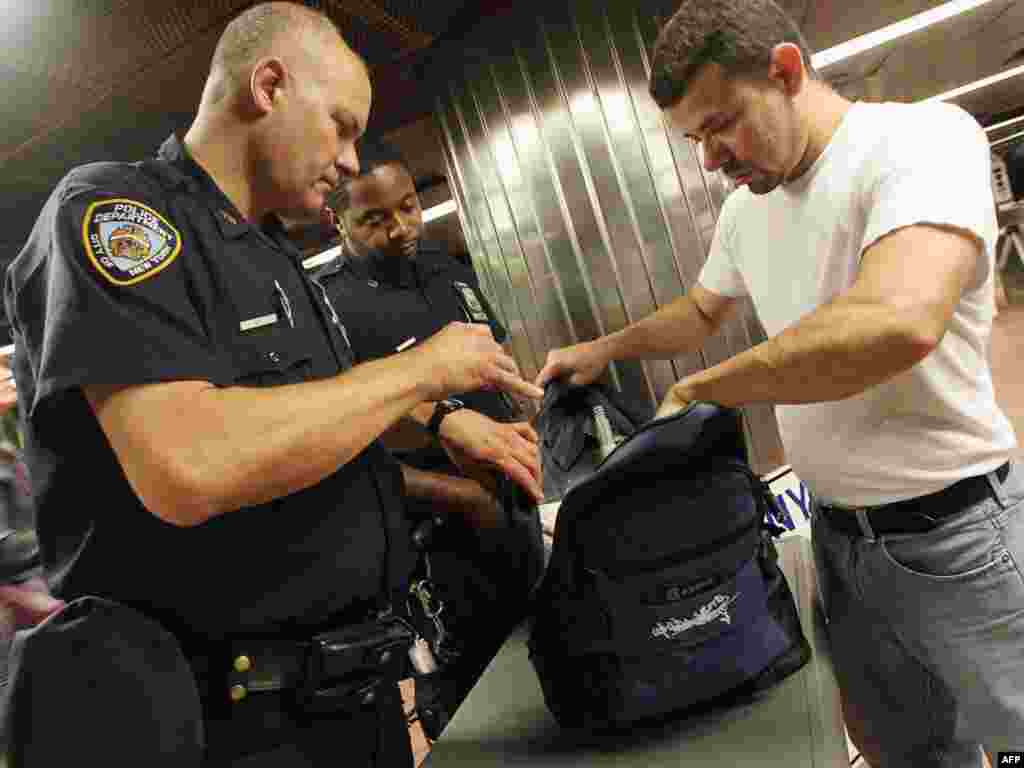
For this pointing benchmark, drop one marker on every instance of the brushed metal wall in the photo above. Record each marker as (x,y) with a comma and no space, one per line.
(582,210)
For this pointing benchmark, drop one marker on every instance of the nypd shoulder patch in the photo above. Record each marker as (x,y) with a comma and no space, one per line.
(127,241)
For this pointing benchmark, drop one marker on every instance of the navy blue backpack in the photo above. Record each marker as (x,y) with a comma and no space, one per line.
(663,594)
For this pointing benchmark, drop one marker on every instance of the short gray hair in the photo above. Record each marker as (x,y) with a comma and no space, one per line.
(253,32)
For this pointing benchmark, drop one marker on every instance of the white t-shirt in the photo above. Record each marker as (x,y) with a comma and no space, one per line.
(888,166)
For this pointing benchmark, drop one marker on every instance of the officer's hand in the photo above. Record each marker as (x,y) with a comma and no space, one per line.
(582,363)
(25,605)
(474,441)
(464,357)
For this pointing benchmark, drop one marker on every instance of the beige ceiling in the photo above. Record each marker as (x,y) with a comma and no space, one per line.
(963,49)
(95,79)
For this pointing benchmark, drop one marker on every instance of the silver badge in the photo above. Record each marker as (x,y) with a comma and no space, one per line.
(471,304)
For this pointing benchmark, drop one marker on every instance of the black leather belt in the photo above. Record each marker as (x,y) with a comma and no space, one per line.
(334,671)
(917,515)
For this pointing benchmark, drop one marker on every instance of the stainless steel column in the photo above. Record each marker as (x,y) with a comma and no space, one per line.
(582,209)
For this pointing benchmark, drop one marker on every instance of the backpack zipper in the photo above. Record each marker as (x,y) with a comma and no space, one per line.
(758,489)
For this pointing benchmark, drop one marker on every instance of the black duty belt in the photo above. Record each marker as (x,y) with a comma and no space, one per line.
(917,515)
(335,671)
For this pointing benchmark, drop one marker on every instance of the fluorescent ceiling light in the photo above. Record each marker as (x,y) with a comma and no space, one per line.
(1007,140)
(978,84)
(892,32)
(1004,124)
(439,210)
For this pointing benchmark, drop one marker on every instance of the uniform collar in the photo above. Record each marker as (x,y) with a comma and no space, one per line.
(231,223)
(430,258)
(357,266)
(376,267)
(273,228)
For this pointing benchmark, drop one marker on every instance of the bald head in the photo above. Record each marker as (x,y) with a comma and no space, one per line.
(284,104)
(281,29)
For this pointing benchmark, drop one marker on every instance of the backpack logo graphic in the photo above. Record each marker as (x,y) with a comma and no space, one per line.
(715,610)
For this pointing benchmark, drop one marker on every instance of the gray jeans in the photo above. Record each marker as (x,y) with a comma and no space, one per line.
(927,630)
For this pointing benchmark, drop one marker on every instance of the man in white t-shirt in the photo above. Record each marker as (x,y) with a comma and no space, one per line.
(865,235)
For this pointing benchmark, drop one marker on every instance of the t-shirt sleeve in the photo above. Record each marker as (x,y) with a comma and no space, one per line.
(938,173)
(106,298)
(720,274)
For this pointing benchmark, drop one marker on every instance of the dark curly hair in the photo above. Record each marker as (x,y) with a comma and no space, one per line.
(372,154)
(739,35)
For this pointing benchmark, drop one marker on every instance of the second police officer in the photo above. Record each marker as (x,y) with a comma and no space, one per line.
(395,291)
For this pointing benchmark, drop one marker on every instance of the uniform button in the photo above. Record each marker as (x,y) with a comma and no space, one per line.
(238,692)
(369,697)
(243,664)
(385,657)
(274,357)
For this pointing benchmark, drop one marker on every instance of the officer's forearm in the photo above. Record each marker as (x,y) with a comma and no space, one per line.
(313,429)
(449,494)
(192,451)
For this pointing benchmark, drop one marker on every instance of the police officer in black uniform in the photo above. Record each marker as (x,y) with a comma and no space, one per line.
(395,291)
(200,445)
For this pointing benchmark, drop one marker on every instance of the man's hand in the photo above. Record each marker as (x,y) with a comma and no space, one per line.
(477,444)
(584,362)
(464,357)
(674,401)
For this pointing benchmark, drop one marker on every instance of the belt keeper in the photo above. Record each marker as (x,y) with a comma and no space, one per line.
(865,525)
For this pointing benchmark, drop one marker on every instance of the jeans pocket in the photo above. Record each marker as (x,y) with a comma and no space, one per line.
(959,557)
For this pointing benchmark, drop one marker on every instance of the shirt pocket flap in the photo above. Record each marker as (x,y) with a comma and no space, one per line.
(259,360)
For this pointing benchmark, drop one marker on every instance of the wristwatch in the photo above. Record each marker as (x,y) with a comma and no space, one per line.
(442,409)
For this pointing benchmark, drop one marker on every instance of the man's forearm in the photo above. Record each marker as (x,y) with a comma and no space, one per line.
(837,351)
(673,330)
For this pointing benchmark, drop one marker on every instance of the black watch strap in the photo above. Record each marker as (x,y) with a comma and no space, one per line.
(442,409)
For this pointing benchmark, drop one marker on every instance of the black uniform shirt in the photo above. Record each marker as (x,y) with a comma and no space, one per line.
(139,273)
(384,304)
